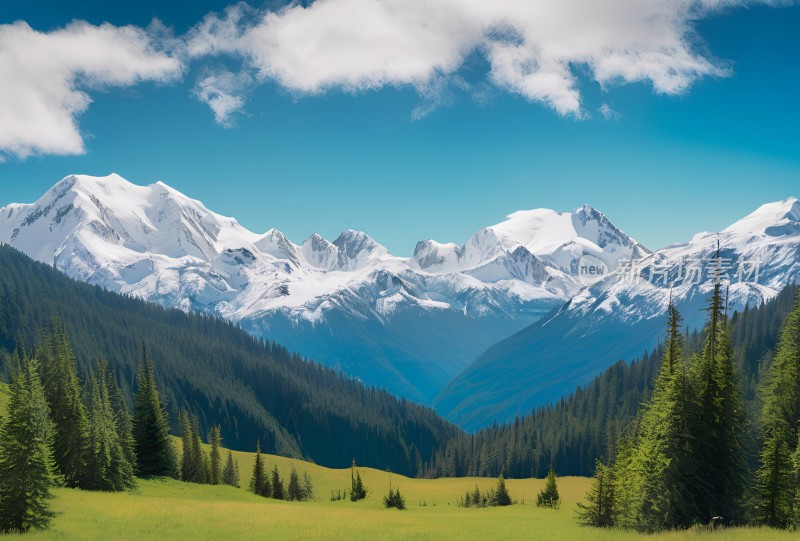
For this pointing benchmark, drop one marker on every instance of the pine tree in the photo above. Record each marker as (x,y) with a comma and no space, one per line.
(796,478)
(780,416)
(215,460)
(277,484)
(199,458)
(67,407)
(109,468)
(25,453)
(357,489)
(501,496)
(294,491)
(308,487)
(155,454)
(599,512)
(123,419)
(259,482)
(230,473)
(721,431)
(661,466)
(549,496)
(188,470)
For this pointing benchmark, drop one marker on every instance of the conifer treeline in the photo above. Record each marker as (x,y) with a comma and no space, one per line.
(583,427)
(684,461)
(60,432)
(251,389)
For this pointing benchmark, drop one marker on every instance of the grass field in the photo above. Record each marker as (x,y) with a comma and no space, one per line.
(168,509)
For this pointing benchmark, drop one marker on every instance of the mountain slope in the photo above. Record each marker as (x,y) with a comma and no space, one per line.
(405,324)
(619,316)
(255,391)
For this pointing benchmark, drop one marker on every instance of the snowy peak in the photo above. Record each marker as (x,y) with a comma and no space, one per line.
(356,249)
(536,246)
(320,252)
(772,219)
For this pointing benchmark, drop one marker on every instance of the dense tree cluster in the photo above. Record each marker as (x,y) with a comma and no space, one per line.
(250,389)
(684,461)
(61,431)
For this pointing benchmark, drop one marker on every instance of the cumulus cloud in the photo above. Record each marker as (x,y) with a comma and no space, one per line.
(223,92)
(538,49)
(532,48)
(45,79)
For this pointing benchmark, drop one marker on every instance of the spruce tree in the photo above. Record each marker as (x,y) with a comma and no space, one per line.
(25,453)
(721,431)
(549,496)
(215,460)
(259,482)
(308,487)
(67,407)
(501,496)
(780,416)
(187,466)
(661,466)
(294,491)
(123,419)
(599,512)
(277,484)
(230,473)
(199,458)
(109,468)
(357,489)
(155,454)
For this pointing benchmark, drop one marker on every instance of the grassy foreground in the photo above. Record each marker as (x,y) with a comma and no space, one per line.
(168,509)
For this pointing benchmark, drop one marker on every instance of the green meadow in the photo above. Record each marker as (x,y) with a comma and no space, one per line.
(169,509)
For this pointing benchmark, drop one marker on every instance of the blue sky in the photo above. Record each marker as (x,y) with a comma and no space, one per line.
(662,166)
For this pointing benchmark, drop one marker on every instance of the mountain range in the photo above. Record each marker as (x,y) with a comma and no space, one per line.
(517,315)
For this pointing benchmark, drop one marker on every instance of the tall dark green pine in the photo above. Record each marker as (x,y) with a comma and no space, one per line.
(199,458)
(188,467)
(67,407)
(259,482)
(108,468)
(294,491)
(155,454)
(25,453)
(215,460)
(124,420)
(722,428)
(230,473)
(776,485)
(599,512)
(662,462)
(277,484)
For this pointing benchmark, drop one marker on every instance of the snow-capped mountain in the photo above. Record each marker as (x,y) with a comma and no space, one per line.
(407,324)
(624,313)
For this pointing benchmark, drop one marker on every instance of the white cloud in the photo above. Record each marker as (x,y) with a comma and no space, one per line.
(531,46)
(222,91)
(44,78)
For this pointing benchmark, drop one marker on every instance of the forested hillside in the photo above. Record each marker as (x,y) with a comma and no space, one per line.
(253,390)
(584,426)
